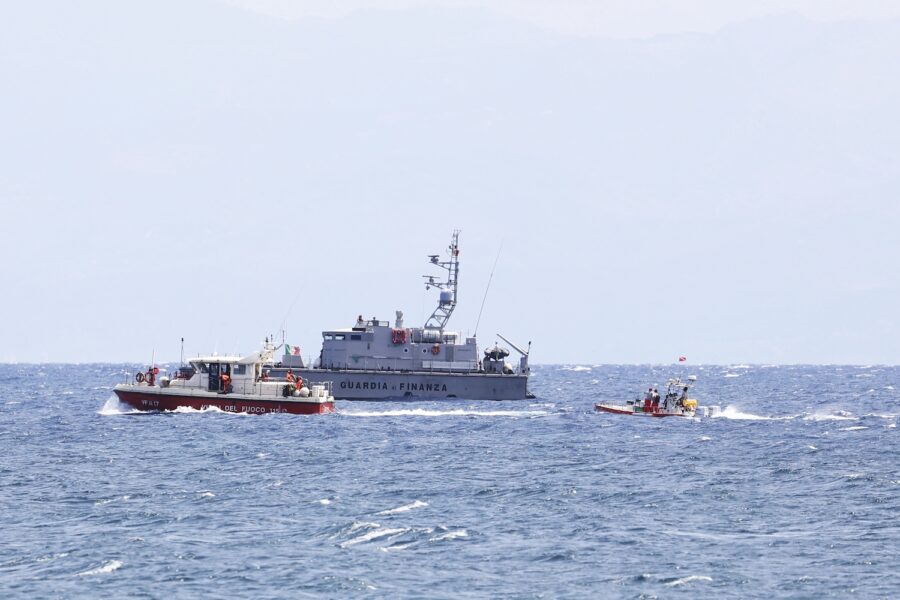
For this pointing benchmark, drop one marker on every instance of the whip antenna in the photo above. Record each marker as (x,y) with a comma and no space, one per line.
(487,289)
(288,313)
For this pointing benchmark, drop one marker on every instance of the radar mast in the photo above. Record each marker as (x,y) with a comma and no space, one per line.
(447,299)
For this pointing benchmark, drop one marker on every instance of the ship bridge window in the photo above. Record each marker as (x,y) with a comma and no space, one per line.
(339,336)
(334,336)
(356,337)
(204,367)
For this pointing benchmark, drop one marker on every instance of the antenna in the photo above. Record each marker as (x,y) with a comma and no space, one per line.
(487,289)
(519,350)
(182,352)
(447,298)
(288,313)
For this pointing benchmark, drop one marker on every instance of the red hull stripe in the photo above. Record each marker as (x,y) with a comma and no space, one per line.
(156,402)
(625,411)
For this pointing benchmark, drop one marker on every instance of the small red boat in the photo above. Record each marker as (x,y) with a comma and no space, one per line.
(229,383)
(675,404)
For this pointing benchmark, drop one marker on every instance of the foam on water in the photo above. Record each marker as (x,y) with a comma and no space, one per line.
(732,412)
(460,412)
(404,508)
(839,416)
(688,579)
(112,406)
(450,535)
(107,568)
(375,534)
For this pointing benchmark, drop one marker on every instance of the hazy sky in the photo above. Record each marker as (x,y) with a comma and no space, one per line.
(191,168)
(611,18)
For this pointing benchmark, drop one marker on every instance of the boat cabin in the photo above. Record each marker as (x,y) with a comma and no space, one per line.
(375,345)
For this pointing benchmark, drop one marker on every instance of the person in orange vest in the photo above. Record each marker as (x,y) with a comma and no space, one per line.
(290,376)
(226,382)
(648,399)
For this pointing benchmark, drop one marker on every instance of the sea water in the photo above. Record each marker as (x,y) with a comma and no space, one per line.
(794,491)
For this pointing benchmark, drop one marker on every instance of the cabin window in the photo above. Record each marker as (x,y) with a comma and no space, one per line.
(328,337)
(406,349)
(339,336)
(356,337)
(239,369)
(204,368)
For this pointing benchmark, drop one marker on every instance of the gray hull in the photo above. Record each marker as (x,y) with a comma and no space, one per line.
(382,385)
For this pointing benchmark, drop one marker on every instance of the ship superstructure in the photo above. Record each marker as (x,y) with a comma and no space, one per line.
(376,359)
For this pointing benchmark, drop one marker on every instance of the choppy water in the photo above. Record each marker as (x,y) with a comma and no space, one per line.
(792,493)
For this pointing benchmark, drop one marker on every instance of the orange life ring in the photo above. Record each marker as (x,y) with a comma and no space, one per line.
(436,349)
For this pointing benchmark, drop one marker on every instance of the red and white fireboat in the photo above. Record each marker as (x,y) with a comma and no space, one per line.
(675,404)
(229,383)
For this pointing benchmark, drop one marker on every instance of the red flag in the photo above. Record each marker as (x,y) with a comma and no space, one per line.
(682,358)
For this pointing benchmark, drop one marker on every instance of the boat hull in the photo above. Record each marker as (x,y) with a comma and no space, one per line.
(629,410)
(160,400)
(392,385)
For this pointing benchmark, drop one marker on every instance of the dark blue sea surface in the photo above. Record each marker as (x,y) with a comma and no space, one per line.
(794,492)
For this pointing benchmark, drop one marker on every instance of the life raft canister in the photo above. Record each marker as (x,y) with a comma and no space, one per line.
(436,349)
(398,336)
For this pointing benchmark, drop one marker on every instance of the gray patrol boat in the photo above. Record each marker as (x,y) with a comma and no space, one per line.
(374,361)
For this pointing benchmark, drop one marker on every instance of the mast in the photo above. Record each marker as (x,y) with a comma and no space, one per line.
(447,299)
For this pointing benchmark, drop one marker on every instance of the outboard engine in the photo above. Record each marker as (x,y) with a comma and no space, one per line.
(493,360)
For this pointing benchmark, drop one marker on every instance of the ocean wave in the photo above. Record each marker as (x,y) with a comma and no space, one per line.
(404,508)
(375,534)
(731,375)
(450,535)
(112,406)
(839,416)
(107,568)
(460,412)
(732,412)
(577,369)
(110,500)
(688,579)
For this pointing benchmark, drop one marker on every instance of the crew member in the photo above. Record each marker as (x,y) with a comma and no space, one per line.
(648,400)
(290,376)
(655,400)
(226,382)
(683,396)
